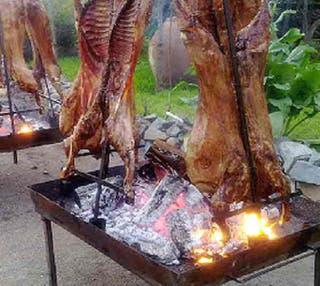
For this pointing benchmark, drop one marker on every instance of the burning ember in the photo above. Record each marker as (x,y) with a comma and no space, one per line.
(171,220)
(25,129)
(28,122)
(243,228)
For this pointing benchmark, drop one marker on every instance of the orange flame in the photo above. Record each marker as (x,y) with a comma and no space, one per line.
(25,129)
(251,225)
(204,260)
(255,226)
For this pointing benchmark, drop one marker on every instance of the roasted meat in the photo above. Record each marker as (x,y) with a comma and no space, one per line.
(1,74)
(216,159)
(21,18)
(101,105)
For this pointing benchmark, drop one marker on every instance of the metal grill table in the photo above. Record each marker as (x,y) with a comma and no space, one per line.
(240,267)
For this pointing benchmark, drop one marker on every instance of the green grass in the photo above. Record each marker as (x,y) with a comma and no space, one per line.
(149,100)
(70,67)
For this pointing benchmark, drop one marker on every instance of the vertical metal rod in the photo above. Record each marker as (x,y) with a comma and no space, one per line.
(50,252)
(240,102)
(317,268)
(105,156)
(49,95)
(43,72)
(102,175)
(7,81)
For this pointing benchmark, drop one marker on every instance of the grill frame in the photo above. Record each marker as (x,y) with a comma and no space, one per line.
(46,201)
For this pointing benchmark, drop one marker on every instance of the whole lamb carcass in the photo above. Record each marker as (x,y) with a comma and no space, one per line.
(29,18)
(101,105)
(215,157)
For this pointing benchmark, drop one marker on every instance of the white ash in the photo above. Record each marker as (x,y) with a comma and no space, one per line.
(159,223)
(21,101)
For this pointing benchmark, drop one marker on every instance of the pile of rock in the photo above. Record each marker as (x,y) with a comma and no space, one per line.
(300,162)
(172,131)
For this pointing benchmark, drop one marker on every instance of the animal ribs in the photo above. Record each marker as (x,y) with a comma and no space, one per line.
(28,17)
(216,160)
(111,37)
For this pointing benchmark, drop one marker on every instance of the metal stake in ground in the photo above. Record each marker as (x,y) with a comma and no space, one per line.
(105,155)
(102,174)
(240,103)
(7,81)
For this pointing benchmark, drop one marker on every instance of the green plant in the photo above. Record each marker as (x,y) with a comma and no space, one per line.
(292,80)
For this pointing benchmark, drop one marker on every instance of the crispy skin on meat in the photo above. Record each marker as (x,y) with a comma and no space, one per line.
(81,115)
(111,38)
(216,160)
(252,44)
(126,43)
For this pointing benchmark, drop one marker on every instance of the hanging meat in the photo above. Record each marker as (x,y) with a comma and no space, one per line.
(216,159)
(101,104)
(28,17)
(1,73)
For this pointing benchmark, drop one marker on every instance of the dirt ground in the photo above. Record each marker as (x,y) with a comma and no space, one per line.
(22,253)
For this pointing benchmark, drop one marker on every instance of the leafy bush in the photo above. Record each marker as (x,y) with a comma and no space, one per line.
(292,79)
(61,13)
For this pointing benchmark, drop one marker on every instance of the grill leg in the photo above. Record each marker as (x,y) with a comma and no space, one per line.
(50,252)
(317,267)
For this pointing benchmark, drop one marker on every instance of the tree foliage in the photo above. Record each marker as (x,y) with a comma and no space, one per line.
(61,13)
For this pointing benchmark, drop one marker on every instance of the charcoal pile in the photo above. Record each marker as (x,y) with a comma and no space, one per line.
(161,221)
(44,114)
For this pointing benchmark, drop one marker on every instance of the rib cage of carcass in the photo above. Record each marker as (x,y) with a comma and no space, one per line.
(100,106)
(28,17)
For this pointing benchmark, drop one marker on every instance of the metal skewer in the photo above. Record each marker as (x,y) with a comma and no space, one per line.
(105,156)
(240,103)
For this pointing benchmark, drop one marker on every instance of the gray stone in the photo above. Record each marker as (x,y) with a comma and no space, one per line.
(166,125)
(173,131)
(154,131)
(290,151)
(315,158)
(305,172)
(151,117)
(173,141)
(158,123)
(152,134)
(143,128)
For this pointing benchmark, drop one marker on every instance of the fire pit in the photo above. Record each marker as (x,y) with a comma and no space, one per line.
(25,124)
(69,204)
(26,119)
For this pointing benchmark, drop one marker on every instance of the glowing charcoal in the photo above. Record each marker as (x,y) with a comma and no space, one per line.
(252,225)
(25,129)
(204,260)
